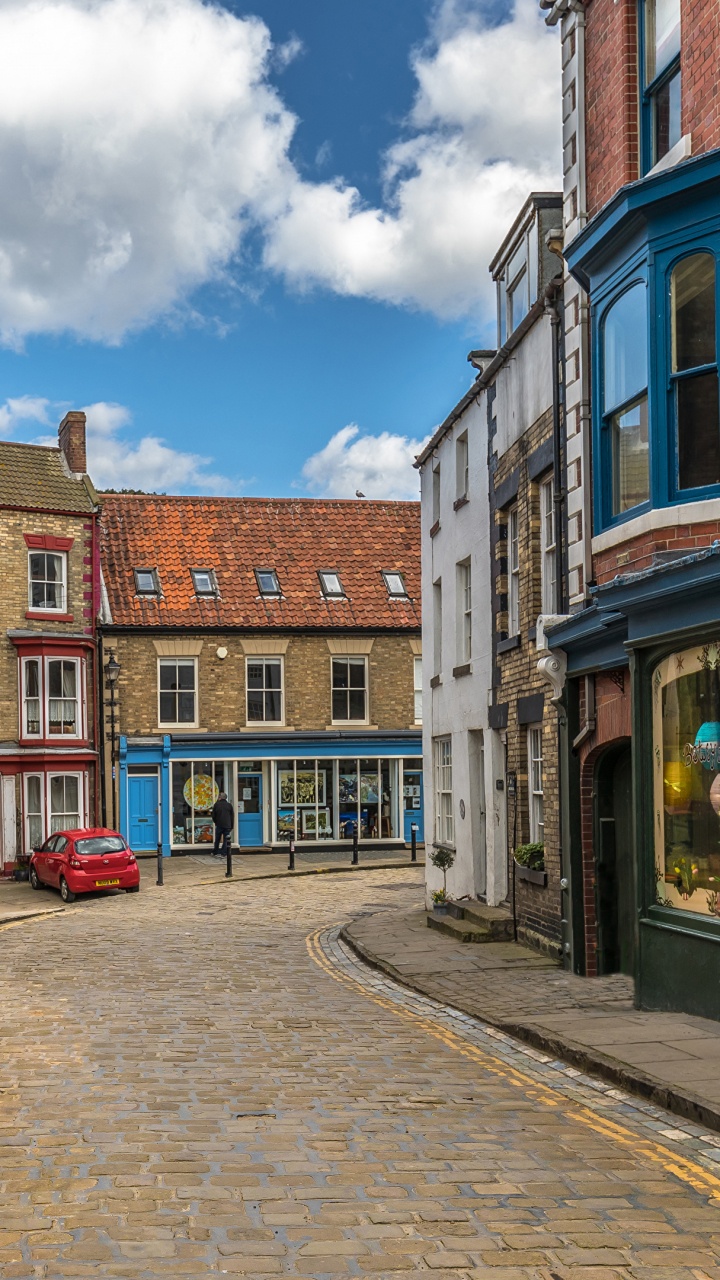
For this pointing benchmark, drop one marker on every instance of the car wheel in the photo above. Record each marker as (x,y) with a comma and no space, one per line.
(35,881)
(134,888)
(66,892)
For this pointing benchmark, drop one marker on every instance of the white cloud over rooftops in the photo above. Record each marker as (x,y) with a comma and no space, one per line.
(378,466)
(141,140)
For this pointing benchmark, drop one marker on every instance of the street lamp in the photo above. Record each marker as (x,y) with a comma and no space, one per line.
(112,671)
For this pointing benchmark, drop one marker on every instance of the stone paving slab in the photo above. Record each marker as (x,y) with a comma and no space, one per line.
(673,1059)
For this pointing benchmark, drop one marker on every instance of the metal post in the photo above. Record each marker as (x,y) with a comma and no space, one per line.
(160,879)
(413,842)
(228,858)
(355,856)
(291,862)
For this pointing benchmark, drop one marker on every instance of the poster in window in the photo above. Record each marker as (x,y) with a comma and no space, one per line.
(306,788)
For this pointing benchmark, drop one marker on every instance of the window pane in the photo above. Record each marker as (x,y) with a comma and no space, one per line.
(57,794)
(667,117)
(272,705)
(167,708)
(272,675)
(255,675)
(34,795)
(339,705)
(32,679)
(631,457)
(55,679)
(340,674)
(37,568)
(625,347)
(698,425)
(168,675)
(357,675)
(186,675)
(693,312)
(255,704)
(69,679)
(186,708)
(662,35)
(357,704)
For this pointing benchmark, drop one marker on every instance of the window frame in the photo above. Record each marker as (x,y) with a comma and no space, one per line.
(348,658)
(24,698)
(417,688)
(153,573)
(464,610)
(442,772)
(513,571)
(48,800)
(178,724)
(649,90)
(79,698)
(548,549)
(536,795)
(213,587)
(462,468)
(276,591)
(41,813)
(670,380)
(62,556)
(278,659)
(394,573)
(323,575)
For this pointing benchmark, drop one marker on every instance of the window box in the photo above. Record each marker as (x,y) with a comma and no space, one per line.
(531,875)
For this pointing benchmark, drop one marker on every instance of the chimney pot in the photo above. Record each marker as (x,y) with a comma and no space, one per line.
(71,438)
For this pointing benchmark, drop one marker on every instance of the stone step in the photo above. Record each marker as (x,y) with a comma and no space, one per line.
(497,920)
(460,930)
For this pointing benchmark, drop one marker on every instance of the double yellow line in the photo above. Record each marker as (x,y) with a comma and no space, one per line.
(678,1165)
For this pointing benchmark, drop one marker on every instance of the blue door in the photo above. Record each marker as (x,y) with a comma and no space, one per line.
(250,810)
(413,804)
(143,811)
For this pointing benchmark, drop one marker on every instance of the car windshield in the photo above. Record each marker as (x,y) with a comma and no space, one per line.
(100,844)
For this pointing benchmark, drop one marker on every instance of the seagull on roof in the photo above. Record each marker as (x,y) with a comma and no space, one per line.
(359,494)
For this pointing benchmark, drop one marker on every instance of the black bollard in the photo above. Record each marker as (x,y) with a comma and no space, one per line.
(355,856)
(228,859)
(160,863)
(413,842)
(291,861)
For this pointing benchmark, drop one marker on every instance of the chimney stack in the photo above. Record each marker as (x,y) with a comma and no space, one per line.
(71,438)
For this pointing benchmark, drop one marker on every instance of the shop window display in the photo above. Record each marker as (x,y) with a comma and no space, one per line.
(686,724)
(305,800)
(196,785)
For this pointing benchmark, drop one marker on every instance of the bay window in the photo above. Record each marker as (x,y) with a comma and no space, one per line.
(32,727)
(62,706)
(694,371)
(52,698)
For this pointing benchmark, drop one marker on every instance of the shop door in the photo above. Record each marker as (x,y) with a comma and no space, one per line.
(614,857)
(413,805)
(250,810)
(143,811)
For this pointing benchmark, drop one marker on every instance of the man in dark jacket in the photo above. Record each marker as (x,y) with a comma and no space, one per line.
(224,819)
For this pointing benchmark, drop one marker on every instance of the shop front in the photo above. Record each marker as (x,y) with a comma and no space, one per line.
(320,791)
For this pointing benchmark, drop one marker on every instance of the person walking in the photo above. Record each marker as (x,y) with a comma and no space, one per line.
(224,819)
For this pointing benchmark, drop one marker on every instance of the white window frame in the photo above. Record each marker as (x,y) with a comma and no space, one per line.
(462,467)
(548,563)
(79,698)
(349,657)
(464,601)
(325,575)
(418,689)
(436,480)
(29,843)
(444,810)
(513,571)
(178,724)
(24,699)
(48,799)
(256,659)
(39,608)
(536,792)
(388,576)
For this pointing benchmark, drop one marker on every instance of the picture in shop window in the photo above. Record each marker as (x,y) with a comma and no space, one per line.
(686,728)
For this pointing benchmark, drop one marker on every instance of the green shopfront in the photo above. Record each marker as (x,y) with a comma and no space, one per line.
(309,788)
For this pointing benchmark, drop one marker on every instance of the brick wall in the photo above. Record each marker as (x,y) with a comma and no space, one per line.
(14,596)
(637,553)
(699,71)
(538,907)
(611,99)
(221,682)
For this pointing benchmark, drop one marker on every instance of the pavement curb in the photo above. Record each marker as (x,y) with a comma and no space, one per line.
(626,1077)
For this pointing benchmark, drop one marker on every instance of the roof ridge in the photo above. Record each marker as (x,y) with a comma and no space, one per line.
(28,444)
(199,497)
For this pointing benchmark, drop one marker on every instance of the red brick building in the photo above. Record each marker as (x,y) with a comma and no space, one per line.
(643,688)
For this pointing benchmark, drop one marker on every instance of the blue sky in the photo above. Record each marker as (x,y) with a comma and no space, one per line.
(257,227)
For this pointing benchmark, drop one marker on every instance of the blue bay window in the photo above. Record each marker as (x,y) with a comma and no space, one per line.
(649,260)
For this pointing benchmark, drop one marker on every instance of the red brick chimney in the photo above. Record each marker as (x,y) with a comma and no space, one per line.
(71,438)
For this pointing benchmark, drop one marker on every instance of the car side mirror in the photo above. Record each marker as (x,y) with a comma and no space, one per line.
(37,848)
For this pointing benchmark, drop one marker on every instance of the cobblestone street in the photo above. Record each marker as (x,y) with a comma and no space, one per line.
(203,1083)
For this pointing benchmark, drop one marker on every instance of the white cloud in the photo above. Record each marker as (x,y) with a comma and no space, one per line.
(141,140)
(114,460)
(379,466)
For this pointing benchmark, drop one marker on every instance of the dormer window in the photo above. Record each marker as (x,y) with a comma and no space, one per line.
(147,582)
(204,582)
(267,580)
(330,583)
(395,584)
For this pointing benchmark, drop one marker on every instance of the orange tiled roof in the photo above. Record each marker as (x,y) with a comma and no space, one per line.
(235,536)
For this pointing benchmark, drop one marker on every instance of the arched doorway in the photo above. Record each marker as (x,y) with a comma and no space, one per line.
(614,860)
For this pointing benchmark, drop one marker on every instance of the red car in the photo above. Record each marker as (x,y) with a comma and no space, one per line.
(82,861)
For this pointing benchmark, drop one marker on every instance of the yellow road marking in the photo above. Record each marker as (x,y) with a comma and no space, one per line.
(681,1167)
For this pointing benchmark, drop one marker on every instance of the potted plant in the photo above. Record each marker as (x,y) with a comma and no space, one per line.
(530,862)
(22,867)
(442,858)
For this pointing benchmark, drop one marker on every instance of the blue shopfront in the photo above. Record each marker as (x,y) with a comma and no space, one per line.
(316,789)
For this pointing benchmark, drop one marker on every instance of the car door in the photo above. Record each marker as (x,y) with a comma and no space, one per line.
(41,859)
(55,860)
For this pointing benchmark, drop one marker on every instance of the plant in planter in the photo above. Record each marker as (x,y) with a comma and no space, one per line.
(530,861)
(443,859)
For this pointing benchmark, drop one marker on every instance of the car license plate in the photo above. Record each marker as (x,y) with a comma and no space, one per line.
(104,884)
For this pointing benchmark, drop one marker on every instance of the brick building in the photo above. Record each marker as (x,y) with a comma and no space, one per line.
(271,649)
(642,656)
(50,597)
